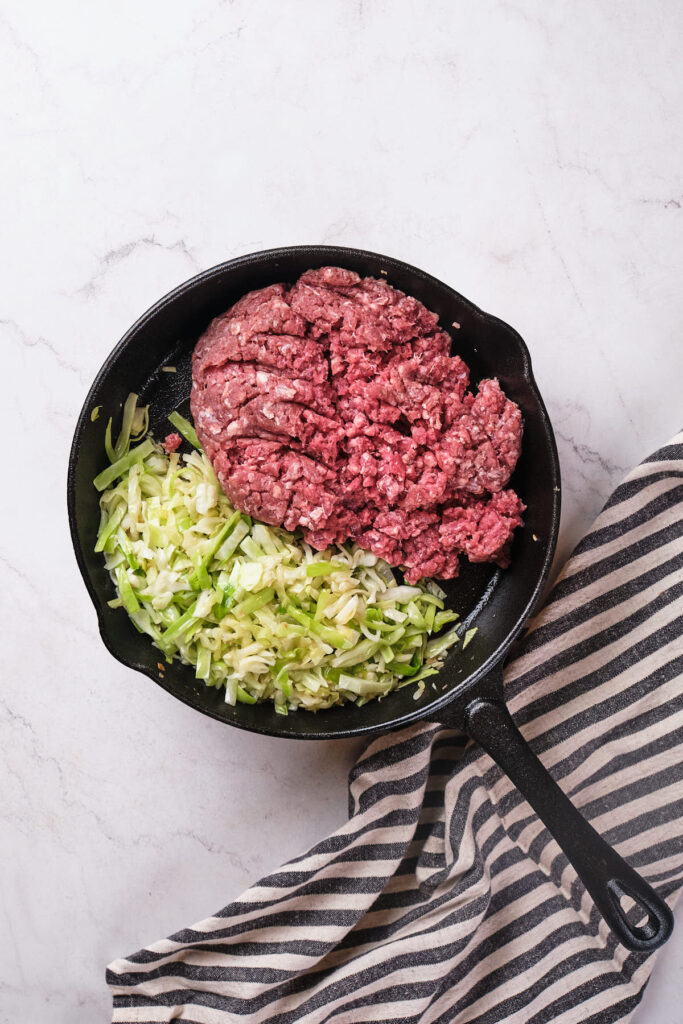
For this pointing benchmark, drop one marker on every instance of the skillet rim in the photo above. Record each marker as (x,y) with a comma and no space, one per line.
(432,710)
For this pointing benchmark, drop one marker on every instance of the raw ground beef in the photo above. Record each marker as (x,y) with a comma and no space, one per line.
(172,443)
(335,407)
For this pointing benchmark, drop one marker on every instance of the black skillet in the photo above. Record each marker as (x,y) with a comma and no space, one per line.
(469,693)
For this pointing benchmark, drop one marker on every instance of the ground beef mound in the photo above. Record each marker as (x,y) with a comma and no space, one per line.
(335,407)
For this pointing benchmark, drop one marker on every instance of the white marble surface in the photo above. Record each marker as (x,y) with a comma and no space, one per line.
(528,154)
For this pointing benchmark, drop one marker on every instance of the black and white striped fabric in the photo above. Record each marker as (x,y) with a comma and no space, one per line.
(443,899)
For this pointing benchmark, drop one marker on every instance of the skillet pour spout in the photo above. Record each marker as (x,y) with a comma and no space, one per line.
(467,692)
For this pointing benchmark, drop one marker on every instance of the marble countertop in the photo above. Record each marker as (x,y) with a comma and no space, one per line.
(528,154)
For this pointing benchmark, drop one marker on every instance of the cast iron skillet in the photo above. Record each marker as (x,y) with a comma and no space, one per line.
(469,693)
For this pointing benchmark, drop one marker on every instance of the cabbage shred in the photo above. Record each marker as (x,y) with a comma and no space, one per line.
(253,608)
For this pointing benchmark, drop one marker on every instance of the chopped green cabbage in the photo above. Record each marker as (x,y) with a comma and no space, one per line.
(253,608)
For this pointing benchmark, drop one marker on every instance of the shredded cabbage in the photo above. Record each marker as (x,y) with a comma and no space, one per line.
(252,607)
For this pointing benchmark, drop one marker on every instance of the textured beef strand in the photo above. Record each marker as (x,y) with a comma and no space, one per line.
(334,407)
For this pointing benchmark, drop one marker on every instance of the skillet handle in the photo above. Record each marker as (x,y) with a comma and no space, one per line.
(606,876)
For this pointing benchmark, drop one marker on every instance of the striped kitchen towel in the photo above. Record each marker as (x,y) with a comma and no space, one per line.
(443,899)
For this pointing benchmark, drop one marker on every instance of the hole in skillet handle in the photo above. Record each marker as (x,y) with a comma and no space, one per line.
(642,921)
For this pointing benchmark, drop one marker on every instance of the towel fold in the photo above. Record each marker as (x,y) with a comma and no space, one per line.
(444,899)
